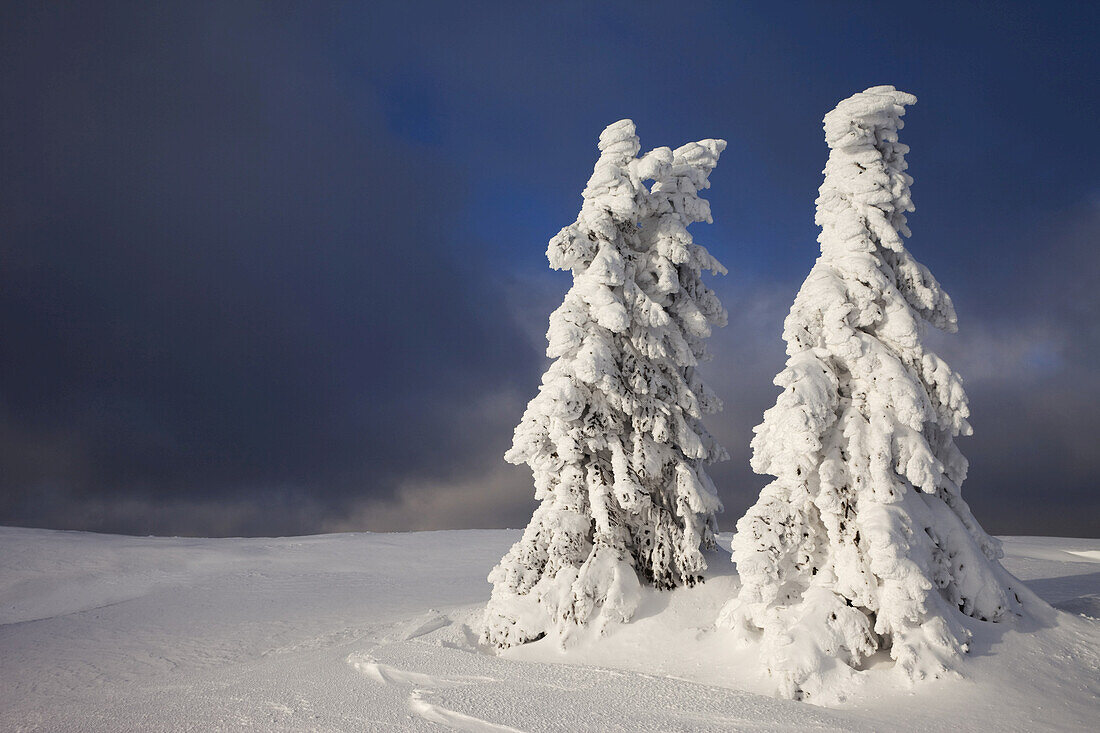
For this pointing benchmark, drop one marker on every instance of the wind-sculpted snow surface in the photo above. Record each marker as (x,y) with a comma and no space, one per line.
(863,542)
(378,632)
(615,437)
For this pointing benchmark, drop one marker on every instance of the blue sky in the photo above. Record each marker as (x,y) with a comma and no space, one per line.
(279,268)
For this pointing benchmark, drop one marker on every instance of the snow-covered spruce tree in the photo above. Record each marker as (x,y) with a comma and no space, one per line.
(863,542)
(615,437)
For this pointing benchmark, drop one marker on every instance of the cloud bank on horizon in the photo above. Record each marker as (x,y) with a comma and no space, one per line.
(265,271)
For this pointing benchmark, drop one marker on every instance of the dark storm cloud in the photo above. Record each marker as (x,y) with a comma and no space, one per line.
(223,275)
(1030,368)
(1027,353)
(268,268)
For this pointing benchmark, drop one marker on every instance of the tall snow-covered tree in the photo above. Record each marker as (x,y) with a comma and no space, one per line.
(863,541)
(615,437)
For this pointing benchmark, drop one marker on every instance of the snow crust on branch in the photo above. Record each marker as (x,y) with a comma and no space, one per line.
(863,541)
(615,437)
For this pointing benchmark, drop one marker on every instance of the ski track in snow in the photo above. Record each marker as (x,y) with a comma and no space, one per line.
(379,632)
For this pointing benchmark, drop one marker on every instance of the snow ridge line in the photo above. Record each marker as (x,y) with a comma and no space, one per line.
(423,685)
(454,720)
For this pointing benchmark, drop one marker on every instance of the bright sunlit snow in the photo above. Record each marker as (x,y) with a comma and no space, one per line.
(377,632)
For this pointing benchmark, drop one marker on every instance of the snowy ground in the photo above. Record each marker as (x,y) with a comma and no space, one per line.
(373,632)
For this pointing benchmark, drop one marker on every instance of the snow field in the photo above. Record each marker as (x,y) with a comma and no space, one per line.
(379,632)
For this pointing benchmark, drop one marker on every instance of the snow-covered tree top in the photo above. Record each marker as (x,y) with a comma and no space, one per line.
(874,108)
(865,196)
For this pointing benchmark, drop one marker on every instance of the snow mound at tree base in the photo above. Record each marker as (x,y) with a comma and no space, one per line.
(675,634)
(378,632)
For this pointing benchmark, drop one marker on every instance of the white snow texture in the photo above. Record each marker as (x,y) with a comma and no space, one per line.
(378,632)
(615,437)
(863,542)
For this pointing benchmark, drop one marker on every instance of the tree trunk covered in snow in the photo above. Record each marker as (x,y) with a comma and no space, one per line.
(863,542)
(615,437)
